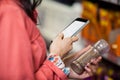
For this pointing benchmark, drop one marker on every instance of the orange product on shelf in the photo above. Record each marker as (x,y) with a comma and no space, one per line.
(117,19)
(91,31)
(85,32)
(117,51)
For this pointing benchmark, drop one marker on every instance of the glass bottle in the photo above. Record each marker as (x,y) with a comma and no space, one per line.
(95,51)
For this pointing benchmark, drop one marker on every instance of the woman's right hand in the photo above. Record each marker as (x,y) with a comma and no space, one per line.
(61,45)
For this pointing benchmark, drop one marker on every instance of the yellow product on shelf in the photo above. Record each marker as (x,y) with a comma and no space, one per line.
(92,31)
(105,23)
(99,70)
(90,7)
(110,72)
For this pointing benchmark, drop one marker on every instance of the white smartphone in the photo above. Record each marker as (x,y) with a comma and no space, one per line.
(75,27)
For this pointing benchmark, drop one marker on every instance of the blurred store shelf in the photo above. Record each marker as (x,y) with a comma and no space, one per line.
(108,4)
(116,2)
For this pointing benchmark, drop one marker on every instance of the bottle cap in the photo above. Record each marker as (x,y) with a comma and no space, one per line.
(102,46)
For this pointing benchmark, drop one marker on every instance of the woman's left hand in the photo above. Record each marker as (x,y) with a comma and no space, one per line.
(90,70)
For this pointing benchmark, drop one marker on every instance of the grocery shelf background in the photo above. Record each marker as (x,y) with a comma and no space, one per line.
(55,16)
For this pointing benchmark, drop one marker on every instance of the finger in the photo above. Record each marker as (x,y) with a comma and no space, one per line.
(91,69)
(88,67)
(88,70)
(74,38)
(93,62)
(96,61)
(99,59)
(88,64)
(60,36)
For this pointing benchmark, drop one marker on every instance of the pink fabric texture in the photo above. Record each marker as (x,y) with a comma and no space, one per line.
(22,48)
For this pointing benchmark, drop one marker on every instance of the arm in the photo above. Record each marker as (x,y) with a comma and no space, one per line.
(49,71)
(59,47)
(16,50)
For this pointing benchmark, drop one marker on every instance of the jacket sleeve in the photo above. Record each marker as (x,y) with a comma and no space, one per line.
(48,71)
(15,52)
(15,40)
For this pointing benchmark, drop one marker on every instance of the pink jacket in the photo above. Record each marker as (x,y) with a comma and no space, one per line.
(22,48)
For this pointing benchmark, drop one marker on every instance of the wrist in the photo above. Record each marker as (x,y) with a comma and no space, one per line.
(57,61)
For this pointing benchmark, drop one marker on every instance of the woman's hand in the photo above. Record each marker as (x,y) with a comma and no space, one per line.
(61,45)
(90,70)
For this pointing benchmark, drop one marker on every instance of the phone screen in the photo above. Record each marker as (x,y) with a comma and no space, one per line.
(75,27)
